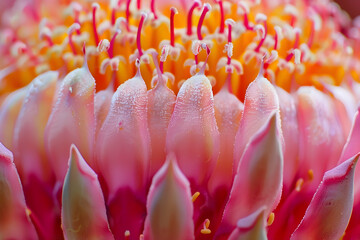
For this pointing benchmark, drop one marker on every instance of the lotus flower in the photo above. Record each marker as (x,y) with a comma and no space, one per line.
(179,120)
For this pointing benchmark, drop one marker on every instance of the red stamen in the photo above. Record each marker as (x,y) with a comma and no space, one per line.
(172,27)
(158,69)
(71,30)
(292,20)
(112,42)
(296,45)
(189,18)
(127,13)
(49,40)
(312,33)
(77,21)
(152,6)
(96,36)
(246,22)
(263,39)
(207,8)
(229,41)
(138,41)
(222,17)
(138,4)
(204,46)
(276,41)
(113,18)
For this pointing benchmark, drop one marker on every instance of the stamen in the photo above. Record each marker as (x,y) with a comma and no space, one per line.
(205,47)
(196,4)
(312,33)
(195,196)
(127,13)
(311,174)
(229,23)
(299,184)
(113,13)
(245,11)
(71,30)
(205,229)
(261,17)
(45,33)
(76,8)
(277,36)
(206,8)
(164,53)
(159,72)
(127,234)
(296,44)
(152,7)
(222,16)
(172,27)
(271,219)
(112,42)
(138,40)
(138,4)
(95,6)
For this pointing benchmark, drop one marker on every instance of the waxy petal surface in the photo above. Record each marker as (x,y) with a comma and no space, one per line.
(14,222)
(161,102)
(123,142)
(72,120)
(28,144)
(251,227)
(193,134)
(228,112)
(260,101)
(83,207)
(169,205)
(102,106)
(330,209)
(258,181)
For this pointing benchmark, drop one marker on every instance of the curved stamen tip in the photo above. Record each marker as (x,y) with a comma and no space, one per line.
(95,5)
(154,55)
(230,22)
(73,28)
(205,47)
(174,10)
(206,8)
(261,72)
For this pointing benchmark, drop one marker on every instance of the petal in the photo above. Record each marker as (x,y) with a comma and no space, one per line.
(14,223)
(83,208)
(330,209)
(102,106)
(123,142)
(161,101)
(320,133)
(9,112)
(72,120)
(251,227)
(289,126)
(228,112)
(258,181)
(29,149)
(260,102)
(169,205)
(193,134)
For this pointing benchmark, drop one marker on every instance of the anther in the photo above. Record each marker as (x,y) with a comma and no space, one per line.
(196,4)
(311,174)
(292,11)
(195,196)
(113,12)
(205,229)
(299,184)
(127,234)
(172,26)
(271,219)
(261,18)
(95,6)
(71,30)
(138,36)
(206,8)
(222,16)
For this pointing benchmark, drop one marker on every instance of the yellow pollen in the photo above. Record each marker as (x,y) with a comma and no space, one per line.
(271,219)
(311,174)
(28,212)
(195,196)
(299,184)
(127,233)
(206,229)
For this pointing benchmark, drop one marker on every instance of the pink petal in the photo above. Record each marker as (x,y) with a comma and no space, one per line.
(123,141)
(169,205)
(83,208)
(321,135)
(251,227)
(330,209)
(72,120)
(161,101)
(193,134)
(289,126)
(258,181)
(28,145)
(228,112)
(260,102)
(14,222)
(9,112)
(102,106)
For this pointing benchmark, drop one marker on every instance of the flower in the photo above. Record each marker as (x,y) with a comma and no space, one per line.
(179,120)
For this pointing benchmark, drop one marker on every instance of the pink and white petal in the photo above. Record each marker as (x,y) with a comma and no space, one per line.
(14,222)
(9,112)
(321,137)
(72,120)
(260,102)
(102,106)
(228,112)
(251,227)
(258,181)
(161,102)
(83,211)
(330,209)
(123,143)
(169,205)
(192,133)
(28,142)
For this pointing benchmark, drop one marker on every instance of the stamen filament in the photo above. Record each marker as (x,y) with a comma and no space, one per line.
(263,39)
(172,27)
(112,42)
(138,36)
(312,31)
(71,30)
(152,6)
(189,18)
(222,17)
(95,6)
(127,13)
(296,44)
(207,8)
(138,4)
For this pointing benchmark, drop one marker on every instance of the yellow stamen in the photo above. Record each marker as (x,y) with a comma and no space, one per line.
(311,174)
(299,184)
(195,196)
(271,219)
